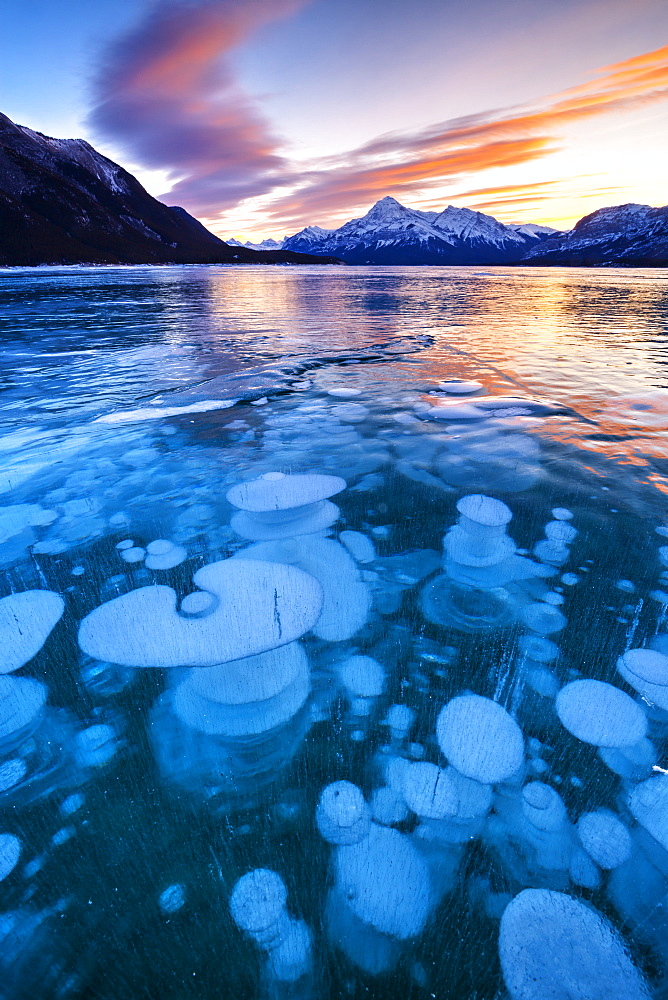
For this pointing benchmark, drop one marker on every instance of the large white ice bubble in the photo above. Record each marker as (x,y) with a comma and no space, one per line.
(277,491)
(258,900)
(599,713)
(646,670)
(553,947)
(346,599)
(648,802)
(10,849)
(427,791)
(342,815)
(484,512)
(260,605)
(480,739)
(280,506)
(605,838)
(385,882)
(246,696)
(362,676)
(26,619)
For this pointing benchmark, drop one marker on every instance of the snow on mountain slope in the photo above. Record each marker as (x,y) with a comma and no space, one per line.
(623,235)
(531,229)
(390,233)
(63,202)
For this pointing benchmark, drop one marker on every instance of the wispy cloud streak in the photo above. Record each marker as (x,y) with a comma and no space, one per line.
(165,92)
(411,162)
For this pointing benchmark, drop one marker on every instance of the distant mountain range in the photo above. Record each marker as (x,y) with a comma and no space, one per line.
(62,202)
(623,236)
(390,233)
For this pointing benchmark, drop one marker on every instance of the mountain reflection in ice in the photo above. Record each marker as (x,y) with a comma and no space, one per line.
(342,675)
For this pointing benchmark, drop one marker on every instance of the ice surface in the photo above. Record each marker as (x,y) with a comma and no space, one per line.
(297,714)
(460,388)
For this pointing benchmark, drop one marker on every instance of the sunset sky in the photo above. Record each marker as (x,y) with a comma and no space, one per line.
(263,116)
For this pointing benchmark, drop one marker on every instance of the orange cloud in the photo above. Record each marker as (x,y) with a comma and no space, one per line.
(411,162)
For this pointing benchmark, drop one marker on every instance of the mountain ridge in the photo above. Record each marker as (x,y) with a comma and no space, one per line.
(63,202)
(615,236)
(391,233)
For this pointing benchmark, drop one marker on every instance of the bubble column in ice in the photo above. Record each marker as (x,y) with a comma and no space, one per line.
(536,650)
(484,747)
(281,506)
(646,671)
(230,730)
(559,534)
(381,895)
(451,810)
(259,908)
(235,717)
(363,679)
(34,759)
(388,805)
(477,590)
(536,841)
(638,887)
(286,511)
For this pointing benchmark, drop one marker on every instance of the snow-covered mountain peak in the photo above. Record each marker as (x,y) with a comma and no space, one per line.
(316,234)
(85,155)
(392,233)
(615,217)
(470,225)
(532,229)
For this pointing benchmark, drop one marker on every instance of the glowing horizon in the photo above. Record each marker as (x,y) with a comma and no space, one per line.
(263,117)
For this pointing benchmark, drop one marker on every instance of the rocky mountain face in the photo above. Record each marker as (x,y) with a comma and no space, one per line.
(62,202)
(390,233)
(622,236)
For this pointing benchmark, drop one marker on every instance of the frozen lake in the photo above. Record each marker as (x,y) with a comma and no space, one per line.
(335,634)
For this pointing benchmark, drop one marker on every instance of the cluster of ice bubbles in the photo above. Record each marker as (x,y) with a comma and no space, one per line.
(240,699)
(274,639)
